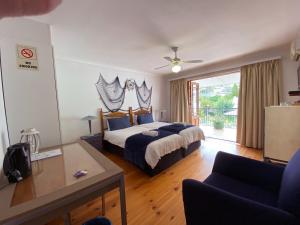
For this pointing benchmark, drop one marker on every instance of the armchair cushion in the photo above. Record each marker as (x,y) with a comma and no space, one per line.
(253,172)
(289,197)
(241,189)
(208,205)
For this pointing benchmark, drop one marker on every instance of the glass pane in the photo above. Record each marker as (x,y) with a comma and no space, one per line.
(54,173)
(218,102)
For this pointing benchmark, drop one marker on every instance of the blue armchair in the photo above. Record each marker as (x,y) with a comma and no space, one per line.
(98,221)
(242,191)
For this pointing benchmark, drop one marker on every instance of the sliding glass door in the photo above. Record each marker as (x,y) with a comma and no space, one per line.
(215,102)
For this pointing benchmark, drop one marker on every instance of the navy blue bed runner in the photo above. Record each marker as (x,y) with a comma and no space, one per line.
(175,128)
(136,145)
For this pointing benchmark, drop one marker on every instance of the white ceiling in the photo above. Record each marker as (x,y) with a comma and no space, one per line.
(136,34)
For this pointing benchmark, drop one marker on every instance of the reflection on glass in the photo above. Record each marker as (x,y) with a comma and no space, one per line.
(52,174)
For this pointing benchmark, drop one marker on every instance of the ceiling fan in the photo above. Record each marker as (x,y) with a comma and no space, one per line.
(176,62)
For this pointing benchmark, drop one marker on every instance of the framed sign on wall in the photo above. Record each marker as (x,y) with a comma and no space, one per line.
(27,57)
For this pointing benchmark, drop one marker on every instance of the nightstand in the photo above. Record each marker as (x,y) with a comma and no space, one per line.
(94,140)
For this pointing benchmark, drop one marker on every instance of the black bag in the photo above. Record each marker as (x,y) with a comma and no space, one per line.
(17,162)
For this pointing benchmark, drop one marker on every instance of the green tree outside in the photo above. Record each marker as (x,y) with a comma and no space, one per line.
(214,104)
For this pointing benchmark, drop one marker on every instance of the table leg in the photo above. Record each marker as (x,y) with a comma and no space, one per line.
(67,219)
(123,201)
(103,204)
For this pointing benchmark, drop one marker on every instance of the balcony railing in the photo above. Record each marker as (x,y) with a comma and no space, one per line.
(210,116)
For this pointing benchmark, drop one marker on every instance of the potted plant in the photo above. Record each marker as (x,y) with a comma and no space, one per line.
(218,123)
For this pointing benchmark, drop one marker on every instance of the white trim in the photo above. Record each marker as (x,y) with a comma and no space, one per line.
(212,73)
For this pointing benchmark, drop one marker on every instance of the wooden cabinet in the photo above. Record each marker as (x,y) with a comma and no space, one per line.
(282,132)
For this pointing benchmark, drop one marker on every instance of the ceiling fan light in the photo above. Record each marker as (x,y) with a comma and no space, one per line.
(176,68)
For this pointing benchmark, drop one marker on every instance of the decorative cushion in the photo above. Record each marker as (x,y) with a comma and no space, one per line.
(289,196)
(118,123)
(145,118)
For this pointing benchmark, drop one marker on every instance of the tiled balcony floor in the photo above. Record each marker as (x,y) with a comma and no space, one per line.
(228,134)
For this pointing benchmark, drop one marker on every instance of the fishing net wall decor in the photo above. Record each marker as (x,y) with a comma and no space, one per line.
(130,84)
(143,94)
(112,94)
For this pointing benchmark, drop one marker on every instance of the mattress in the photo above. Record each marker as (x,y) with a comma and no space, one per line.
(154,151)
(189,135)
(119,137)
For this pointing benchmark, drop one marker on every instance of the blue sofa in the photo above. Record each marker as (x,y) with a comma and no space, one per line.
(242,191)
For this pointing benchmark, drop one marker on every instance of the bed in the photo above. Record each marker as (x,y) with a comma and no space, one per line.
(151,154)
(192,135)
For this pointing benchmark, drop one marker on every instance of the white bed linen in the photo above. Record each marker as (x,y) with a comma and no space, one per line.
(119,137)
(161,147)
(154,151)
(154,125)
(189,135)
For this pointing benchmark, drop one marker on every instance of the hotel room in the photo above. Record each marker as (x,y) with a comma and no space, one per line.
(150,112)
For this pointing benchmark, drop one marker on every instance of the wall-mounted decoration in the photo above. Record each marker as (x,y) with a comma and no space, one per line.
(143,94)
(130,84)
(27,58)
(112,94)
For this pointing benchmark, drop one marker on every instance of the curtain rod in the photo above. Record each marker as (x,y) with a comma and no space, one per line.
(224,70)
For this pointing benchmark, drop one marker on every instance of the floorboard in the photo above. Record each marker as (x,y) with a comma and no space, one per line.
(158,200)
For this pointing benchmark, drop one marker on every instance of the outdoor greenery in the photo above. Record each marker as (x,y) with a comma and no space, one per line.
(215,102)
(218,123)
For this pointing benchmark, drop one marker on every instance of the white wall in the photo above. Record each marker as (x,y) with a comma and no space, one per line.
(289,70)
(78,96)
(30,96)
(3,135)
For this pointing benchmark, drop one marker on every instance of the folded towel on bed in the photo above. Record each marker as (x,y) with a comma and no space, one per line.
(152,133)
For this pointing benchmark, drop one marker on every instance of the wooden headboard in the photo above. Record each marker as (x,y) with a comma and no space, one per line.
(138,111)
(118,114)
(121,113)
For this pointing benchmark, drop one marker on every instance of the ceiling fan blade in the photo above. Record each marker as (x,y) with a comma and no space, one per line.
(168,58)
(193,61)
(157,68)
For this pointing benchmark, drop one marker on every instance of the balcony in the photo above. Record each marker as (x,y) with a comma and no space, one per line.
(218,123)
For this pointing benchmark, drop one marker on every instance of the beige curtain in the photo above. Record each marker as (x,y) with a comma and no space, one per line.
(180,106)
(260,87)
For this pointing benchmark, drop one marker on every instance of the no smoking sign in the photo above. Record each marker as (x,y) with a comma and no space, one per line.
(27,57)
(27,53)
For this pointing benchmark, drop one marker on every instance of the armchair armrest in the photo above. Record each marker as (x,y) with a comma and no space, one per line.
(205,204)
(265,175)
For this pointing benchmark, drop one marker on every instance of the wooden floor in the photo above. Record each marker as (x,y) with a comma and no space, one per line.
(158,200)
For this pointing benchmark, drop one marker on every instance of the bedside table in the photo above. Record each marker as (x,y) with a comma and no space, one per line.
(94,140)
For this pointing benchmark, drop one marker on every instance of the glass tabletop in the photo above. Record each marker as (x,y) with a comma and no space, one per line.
(52,174)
